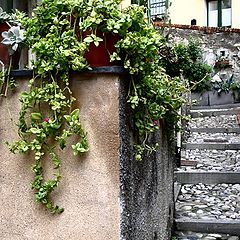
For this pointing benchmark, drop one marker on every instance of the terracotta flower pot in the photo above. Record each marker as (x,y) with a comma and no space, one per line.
(4,55)
(98,56)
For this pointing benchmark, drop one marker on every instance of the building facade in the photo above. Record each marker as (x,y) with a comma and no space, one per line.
(212,13)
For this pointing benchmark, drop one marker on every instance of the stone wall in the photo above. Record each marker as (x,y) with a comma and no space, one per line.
(106,193)
(146,186)
(221,48)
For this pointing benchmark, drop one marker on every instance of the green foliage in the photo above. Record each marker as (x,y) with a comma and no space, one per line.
(37,130)
(153,95)
(13,39)
(186,60)
(55,34)
(226,85)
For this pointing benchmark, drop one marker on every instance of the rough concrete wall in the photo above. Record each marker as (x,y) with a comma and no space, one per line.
(146,186)
(214,45)
(89,190)
(107,194)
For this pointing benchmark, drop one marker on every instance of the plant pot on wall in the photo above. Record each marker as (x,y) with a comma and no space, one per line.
(98,56)
(4,54)
(222,63)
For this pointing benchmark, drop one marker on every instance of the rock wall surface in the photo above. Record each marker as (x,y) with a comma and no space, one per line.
(220,49)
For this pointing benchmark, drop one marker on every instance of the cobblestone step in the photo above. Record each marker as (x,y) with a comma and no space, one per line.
(193,177)
(214,112)
(206,137)
(217,146)
(221,121)
(207,206)
(208,202)
(224,106)
(231,227)
(215,130)
(211,160)
(189,235)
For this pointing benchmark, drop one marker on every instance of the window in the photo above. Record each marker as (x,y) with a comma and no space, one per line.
(219,13)
(158,9)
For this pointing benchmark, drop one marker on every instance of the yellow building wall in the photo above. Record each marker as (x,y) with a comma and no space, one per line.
(183,11)
(125,3)
(235,13)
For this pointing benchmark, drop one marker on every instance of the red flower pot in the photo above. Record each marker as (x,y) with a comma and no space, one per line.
(4,55)
(98,56)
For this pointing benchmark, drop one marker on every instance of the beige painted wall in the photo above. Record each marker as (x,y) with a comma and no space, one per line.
(183,11)
(89,190)
(125,3)
(235,13)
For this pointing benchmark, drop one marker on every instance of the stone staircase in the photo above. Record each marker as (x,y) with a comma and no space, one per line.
(207,185)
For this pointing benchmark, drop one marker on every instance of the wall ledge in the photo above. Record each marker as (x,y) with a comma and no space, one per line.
(97,70)
(198,28)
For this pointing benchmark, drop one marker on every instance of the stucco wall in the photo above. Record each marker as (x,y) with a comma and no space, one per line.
(107,194)
(89,190)
(183,11)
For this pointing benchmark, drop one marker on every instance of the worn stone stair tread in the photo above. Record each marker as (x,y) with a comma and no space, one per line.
(217,146)
(206,177)
(231,227)
(222,106)
(215,130)
(214,112)
(215,140)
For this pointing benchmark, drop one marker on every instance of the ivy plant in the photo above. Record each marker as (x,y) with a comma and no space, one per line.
(187,60)
(57,35)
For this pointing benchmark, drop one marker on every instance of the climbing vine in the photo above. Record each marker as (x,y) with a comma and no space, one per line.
(57,35)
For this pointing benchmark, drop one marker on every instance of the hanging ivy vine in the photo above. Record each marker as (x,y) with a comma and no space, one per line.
(55,35)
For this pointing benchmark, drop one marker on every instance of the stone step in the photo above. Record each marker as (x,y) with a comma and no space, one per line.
(213,112)
(217,146)
(189,235)
(231,227)
(223,106)
(208,201)
(206,137)
(223,121)
(193,177)
(215,130)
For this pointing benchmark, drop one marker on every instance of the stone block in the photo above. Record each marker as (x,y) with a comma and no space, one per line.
(220,99)
(200,99)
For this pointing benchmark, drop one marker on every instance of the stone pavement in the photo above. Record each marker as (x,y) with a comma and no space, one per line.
(208,204)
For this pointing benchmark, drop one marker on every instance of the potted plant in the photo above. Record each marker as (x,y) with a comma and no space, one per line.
(222,62)
(61,34)
(11,41)
(10,37)
(4,26)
